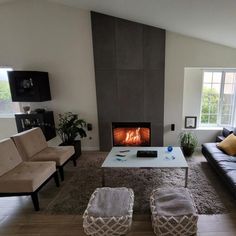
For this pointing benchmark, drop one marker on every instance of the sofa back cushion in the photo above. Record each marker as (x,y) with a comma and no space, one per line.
(9,156)
(228,145)
(30,142)
(227,131)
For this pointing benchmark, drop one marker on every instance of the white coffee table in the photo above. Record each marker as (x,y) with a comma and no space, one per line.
(174,159)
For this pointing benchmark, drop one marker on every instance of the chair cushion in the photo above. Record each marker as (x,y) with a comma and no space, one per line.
(30,142)
(26,177)
(228,145)
(109,202)
(9,156)
(58,154)
(173,202)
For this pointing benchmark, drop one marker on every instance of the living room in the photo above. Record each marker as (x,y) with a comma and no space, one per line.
(57,37)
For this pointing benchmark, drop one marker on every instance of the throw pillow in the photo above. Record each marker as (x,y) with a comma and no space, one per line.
(228,145)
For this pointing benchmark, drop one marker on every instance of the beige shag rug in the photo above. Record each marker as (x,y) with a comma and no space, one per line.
(210,194)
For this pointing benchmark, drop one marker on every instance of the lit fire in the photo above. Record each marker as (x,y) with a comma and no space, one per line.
(125,136)
(133,137)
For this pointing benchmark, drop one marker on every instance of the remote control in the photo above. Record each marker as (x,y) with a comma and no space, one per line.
(124,150)
(120,155)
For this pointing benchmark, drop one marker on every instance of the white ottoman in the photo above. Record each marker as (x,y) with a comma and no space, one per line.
(109,212)
(173,212)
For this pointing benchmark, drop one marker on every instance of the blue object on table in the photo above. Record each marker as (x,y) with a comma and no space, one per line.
(169,148)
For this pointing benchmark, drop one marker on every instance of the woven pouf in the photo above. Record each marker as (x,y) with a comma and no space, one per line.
(173,212)
(109,212)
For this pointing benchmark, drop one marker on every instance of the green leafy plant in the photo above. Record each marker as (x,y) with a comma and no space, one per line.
(70,126)
(188,142)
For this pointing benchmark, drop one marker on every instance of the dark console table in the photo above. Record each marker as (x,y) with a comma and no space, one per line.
(44,120)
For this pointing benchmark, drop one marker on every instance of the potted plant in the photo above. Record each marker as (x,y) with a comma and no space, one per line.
(69,128)
(188,142)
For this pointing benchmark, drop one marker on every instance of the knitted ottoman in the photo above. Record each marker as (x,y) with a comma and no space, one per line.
(173,212)
(109,212)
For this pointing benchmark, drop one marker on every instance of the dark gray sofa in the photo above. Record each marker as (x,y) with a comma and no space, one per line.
(225,132)
(224,164)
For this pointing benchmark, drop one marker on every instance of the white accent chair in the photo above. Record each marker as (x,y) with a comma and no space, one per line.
(33,146)
(18,178)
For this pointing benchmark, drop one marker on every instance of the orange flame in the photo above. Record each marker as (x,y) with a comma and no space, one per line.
(133,137)
(139,136)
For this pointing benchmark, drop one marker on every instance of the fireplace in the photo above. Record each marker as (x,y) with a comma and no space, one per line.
(131,133)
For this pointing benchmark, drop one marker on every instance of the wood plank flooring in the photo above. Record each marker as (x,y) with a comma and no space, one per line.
(18,218)
(37,224)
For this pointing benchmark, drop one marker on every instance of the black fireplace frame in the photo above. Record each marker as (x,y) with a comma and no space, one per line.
(130,125)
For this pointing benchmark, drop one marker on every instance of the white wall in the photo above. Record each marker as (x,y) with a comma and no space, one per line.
(38,35)
(7,127)
(192,93)
(184,52)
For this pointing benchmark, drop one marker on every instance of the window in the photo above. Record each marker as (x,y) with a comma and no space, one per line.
(7,107)
(218,98)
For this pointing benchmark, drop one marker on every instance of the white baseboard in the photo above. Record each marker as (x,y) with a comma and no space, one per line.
(90,148)
(199,148)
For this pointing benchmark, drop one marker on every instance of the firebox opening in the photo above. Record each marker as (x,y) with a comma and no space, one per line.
(131,134)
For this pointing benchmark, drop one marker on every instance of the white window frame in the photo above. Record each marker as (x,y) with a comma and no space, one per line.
(218,123)
(10,115)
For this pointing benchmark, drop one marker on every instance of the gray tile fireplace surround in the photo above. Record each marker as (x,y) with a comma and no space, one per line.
(129,70)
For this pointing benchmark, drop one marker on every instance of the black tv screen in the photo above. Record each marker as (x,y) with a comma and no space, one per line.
(29,86)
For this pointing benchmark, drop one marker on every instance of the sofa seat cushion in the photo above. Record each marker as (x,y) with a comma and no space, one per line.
(212,148)
(216,155)
(9,156)
(232,176)
(223,157)
(58,154)
(26,177)
(227,166)
(29,143)
(224,164)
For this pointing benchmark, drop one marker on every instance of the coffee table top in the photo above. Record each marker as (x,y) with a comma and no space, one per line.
(165,159)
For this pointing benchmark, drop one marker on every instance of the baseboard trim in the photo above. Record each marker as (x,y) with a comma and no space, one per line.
(90,148)
(199,148)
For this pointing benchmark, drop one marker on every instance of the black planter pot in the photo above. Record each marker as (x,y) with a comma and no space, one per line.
(77,146)
(188,151)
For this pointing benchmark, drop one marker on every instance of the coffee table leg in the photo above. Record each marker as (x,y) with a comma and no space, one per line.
(186,177)
(103,177)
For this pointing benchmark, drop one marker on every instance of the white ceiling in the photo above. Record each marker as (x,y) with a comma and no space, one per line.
(211,20)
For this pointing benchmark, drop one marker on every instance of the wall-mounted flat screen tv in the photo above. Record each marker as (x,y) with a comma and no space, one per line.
(29,86)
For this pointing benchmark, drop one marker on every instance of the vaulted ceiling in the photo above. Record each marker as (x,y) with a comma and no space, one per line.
(211,20)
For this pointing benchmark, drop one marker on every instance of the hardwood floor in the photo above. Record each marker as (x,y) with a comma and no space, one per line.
(18,218)
(36,224)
